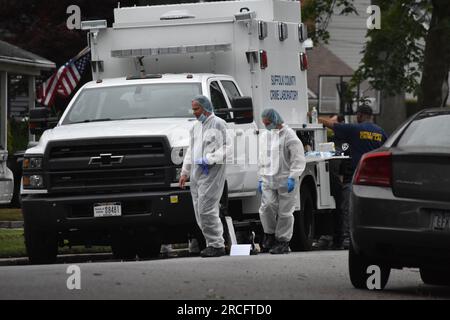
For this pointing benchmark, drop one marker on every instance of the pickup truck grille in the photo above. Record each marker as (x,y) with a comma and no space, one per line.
(141,148)
(108,164)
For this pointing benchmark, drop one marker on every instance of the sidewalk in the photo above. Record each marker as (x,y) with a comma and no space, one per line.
(11,224)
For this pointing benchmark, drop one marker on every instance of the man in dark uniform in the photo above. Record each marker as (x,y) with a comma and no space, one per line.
(340,173)
(362,137)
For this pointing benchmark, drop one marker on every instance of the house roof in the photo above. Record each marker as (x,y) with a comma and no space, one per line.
(11,54)
(322,62)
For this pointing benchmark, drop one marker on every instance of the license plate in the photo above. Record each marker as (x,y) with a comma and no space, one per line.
(441,222)
(107,209)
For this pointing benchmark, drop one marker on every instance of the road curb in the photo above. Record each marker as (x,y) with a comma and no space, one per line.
(62,259)
(11,224)
(91,257)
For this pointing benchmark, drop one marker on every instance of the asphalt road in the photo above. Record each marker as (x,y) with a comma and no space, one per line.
(305,275)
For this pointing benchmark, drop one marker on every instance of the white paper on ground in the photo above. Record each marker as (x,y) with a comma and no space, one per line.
(240,249)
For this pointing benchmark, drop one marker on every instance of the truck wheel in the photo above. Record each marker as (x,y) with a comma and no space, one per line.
(223,203)
(223,212)
(304,222)
(358,267)
(437,277)
(41,245)
(148,244)
(123,245)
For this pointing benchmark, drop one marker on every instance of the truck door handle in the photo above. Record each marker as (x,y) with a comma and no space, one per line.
(239,132)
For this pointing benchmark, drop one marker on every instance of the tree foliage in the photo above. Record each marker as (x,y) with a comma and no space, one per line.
(393,55)
(411,51)
(317,15)
(40,27)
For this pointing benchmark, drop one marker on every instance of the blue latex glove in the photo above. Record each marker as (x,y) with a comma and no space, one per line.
(203,163)
(260,186)
(291,184)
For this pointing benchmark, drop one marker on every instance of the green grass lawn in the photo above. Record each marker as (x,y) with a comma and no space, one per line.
(12,245)
(10,214)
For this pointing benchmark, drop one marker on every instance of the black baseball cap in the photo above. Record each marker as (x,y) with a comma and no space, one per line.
(364,109)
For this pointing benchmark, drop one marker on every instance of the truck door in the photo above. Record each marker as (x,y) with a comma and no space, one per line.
(246,148)
(235,178)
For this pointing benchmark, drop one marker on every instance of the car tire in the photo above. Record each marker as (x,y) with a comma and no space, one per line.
(303,235)
(123,245)
(358,265)
(41,245)
(437,277)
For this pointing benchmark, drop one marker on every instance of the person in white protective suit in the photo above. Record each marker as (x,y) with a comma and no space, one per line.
(281,162)
(204,166)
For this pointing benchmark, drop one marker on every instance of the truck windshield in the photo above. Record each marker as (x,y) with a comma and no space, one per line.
(141,101)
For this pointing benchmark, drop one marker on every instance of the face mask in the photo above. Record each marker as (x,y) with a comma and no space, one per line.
(202,118)
(271,126)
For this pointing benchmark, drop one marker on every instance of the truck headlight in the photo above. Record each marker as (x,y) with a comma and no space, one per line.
(34,181)
(177,175)
(177,155)
(32,163)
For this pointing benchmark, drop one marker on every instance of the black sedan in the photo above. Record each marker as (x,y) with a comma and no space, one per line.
(400,204)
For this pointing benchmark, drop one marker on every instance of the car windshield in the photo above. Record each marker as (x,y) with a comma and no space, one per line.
(140,101)
(429,129)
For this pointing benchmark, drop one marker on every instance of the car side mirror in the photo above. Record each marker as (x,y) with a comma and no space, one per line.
(40,120)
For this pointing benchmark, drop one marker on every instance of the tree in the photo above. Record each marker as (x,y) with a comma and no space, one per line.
(409,46)
(436,66)
(41,27)
(317,14)
(411,51)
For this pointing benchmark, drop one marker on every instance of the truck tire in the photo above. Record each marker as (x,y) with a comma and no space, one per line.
(41,245)
(357,267)
(123,245)
(303,222)
(148,244)
(436,277)
(223,212)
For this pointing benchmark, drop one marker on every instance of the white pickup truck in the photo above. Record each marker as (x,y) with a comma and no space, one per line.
(107,173)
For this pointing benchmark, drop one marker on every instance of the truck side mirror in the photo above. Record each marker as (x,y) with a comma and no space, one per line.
(40,120)
(242,110)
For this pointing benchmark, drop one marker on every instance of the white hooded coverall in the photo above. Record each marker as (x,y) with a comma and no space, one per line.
(207,140)
(281,157)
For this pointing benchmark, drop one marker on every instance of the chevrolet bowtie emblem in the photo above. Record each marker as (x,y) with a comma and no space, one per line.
(105,160)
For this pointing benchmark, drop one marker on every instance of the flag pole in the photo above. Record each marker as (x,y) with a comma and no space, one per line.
(81,53)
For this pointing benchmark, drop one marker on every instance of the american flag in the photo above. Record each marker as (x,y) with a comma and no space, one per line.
(65,80)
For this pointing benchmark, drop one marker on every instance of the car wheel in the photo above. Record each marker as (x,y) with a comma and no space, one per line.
(123,245)
(41,245)
(437,277)
(358,266)
(303,235)
(148,244)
